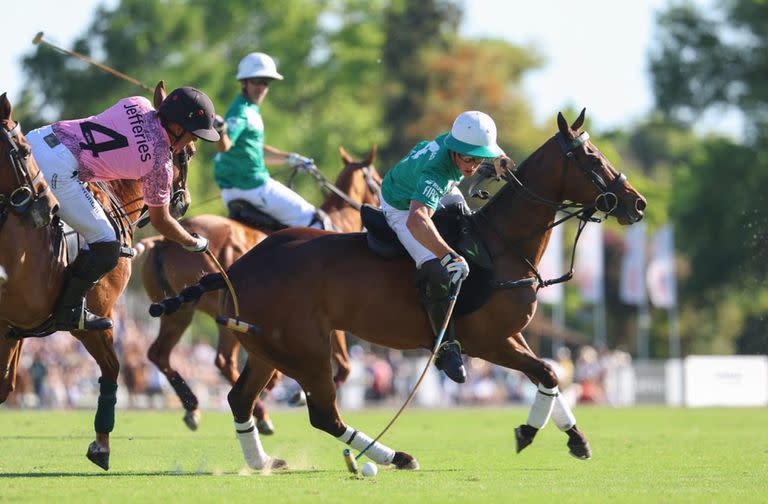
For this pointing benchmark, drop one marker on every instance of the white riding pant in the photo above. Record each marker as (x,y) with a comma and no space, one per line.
(77,206)
(277,200)
(397,221)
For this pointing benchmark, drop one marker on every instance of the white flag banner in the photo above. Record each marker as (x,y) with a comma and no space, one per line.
(590,271)
(551,266)
(632,280)
(662,283)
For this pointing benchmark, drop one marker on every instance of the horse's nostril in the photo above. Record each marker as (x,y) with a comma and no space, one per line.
(640,205)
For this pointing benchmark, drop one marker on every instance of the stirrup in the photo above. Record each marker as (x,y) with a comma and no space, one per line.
(86,321)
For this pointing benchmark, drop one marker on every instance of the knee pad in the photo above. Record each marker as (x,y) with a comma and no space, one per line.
(98,260)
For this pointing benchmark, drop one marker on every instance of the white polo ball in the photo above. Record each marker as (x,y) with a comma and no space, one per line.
(370,469)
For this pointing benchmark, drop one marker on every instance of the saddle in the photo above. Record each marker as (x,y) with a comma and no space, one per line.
(244,212)
(456,226)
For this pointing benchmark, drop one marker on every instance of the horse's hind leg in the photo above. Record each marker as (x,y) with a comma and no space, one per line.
(172,327)
(242,399)
(100,345)
(317,381)
(226,362)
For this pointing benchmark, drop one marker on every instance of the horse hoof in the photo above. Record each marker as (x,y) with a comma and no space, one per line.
(98,455)
(521,439)
(192,419)
(580,450)
(277,464)
(265,427)
(404,461)
(298,399)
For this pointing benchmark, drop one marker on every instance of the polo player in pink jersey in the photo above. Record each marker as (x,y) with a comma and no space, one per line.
(128,141)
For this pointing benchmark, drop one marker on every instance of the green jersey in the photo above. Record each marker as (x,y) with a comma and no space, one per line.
(242,166)
(425,175)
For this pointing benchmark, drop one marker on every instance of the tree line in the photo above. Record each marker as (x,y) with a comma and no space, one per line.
(392,72)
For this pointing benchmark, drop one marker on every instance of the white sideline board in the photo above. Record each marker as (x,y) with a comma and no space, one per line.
(718,380)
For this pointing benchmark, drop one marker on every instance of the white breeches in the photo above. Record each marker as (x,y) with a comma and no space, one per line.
(397,221)
(275,199)
(77,206)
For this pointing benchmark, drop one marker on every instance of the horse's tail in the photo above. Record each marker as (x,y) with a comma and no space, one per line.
(191,294)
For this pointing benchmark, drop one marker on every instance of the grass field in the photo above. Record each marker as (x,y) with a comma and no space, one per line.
(466,455)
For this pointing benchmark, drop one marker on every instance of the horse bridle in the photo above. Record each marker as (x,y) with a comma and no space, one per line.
(26,201)
(606,202)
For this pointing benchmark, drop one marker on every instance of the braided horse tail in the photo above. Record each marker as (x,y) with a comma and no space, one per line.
(192,294)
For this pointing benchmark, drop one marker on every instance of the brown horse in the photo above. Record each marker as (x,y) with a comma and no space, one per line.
(168,267)
(299,284)
(35,277)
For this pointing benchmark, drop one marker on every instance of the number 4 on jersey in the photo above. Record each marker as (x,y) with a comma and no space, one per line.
(117,141)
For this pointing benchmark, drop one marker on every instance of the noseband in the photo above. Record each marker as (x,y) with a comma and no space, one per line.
(25,201)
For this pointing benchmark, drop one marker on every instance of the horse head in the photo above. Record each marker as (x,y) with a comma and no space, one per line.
(23,188)
(360,179)
(590,179)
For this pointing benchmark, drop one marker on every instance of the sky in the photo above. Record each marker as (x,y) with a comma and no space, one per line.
(595,51)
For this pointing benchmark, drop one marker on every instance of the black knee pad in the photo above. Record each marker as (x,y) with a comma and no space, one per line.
(98,260)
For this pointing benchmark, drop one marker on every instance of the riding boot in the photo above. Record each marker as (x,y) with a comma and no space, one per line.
(71,314)
(435,286)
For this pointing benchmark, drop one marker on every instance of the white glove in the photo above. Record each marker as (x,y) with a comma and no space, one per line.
(201,244)
(297,160)
(456,266)
(219,124)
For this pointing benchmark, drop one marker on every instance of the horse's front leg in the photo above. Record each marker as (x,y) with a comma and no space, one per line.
(100,345)
(514,353)
(10,351)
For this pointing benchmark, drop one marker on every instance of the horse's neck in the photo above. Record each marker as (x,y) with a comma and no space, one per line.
(342,215)
(517,227)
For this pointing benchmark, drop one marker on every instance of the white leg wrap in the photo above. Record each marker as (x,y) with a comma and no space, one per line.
(250,443)
(542,406)
(359,441)
(562,414)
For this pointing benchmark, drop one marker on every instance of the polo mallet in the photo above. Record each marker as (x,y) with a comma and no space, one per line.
(227,281)
(351,460)
(39,40)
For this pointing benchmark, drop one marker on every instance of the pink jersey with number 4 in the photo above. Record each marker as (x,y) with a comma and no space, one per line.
(126,141)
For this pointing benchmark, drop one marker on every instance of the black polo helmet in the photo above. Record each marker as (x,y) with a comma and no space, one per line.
(192,110)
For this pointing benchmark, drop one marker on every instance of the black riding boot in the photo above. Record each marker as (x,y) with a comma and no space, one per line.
(90,265)
(435,289)
(71,314)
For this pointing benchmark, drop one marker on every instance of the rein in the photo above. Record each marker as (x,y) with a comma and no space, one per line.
(605,202)
(313,170)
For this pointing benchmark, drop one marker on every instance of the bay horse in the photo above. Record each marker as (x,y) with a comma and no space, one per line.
(169,268)
(35,262)
(298,284)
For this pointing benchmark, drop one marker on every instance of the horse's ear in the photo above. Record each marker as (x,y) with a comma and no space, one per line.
(345,157)
(160,94)
(562,125)
(371,155)
(579,122)
(5,107)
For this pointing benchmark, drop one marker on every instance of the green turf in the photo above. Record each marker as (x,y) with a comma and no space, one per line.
(466,455)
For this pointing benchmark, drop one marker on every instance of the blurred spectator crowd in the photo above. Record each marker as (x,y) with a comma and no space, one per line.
(57,372)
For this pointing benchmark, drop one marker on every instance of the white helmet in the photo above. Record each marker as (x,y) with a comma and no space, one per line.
(474,134)
(257,64)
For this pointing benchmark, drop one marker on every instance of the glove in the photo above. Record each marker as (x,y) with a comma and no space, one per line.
(456,266)
(501,164)
(201,244)
(219,124)
(297,160)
